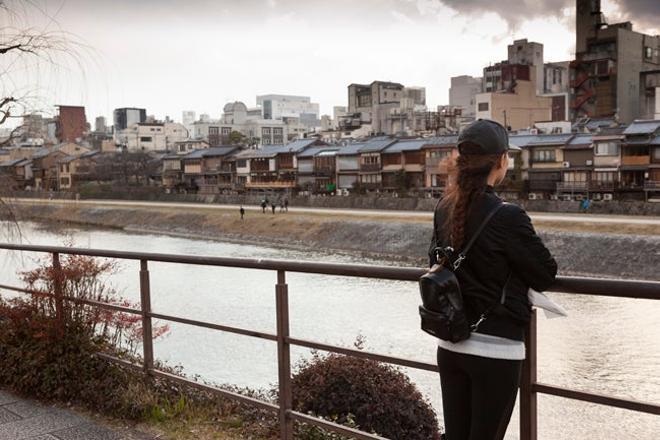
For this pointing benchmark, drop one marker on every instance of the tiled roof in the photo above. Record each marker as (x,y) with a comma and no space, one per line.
(580,141)
(377,144)
(209,152)
(14,162)
(406,145)
(351,149)
(313,151)
(446,140)
(642,127)
(550,139)
(522,140)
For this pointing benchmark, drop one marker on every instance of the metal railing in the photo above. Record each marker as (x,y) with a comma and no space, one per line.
(529,389)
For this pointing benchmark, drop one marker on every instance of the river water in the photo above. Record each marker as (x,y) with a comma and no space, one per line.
(606,345)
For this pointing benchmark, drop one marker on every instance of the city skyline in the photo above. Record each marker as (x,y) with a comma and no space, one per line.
(169,58)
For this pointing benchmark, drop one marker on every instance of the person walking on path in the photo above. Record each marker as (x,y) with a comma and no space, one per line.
(286,204)
(480,375)
(272,205)
(281,206)
(242,211)
(263,206)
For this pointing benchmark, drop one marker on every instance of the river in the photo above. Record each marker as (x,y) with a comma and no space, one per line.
(606,345)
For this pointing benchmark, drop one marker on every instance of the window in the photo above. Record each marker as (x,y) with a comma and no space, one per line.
(544,156)
(648,52)
(226,131)
(145,138)
(242,163)
(607,149)
(214,131)
(483,107)
(575,176)
(605,176)
(656,153)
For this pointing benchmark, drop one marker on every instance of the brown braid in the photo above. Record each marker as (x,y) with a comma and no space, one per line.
(468,177)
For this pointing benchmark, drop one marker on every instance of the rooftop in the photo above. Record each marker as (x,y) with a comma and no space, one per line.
(641,126)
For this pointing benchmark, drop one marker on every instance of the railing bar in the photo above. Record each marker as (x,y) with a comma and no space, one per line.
(364,354)
(89,302)
(633,405)
(212,326)
(354,433)
(581,285)
(229,394)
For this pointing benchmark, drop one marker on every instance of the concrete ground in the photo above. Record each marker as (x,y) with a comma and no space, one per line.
(22,419)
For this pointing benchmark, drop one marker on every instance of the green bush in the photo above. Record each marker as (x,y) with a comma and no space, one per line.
(374,397)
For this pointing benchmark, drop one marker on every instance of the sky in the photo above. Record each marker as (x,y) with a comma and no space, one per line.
(173,55)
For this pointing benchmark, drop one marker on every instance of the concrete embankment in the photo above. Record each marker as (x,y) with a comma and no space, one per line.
(579,251)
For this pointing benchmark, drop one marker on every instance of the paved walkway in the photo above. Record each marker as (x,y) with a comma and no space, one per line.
(22,419)
(553,217)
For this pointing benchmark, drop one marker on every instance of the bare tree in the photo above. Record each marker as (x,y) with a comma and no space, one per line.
(31,43)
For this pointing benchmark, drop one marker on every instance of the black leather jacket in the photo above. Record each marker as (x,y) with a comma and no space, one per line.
(508,251)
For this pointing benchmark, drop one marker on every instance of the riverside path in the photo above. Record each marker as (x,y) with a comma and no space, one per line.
(550,217)
(22,419)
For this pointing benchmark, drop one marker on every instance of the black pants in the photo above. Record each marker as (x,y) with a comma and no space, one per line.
(478,395)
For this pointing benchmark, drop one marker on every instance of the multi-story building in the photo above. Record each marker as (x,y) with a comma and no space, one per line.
(100,125)
(73,170)
(577,166)
(463,92)
(317,168)
(437,153)
(71,123)
(348,166)
(637,150)
(290,106)
(607,160)
(16,174)
(188,119)
(128,116)
(609,61)
(206,171)
(543,159)
(528,53)
(403,165)
(516,105)
(152,136)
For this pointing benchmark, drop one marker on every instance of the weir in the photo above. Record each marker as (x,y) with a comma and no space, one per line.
(529,390)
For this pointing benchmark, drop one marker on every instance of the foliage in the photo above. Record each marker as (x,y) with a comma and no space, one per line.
(376,397)
(82,278)
(236,138)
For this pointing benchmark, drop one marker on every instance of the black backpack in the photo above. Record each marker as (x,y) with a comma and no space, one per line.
(442,310)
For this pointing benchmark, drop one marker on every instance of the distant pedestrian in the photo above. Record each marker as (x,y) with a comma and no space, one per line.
(585,204)
(281,206)
(272,205)
(242,212)
(286,205)
(263,206)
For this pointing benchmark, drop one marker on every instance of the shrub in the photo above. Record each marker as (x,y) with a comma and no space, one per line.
(377,397)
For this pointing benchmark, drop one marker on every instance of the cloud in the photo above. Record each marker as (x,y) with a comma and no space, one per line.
(645,14)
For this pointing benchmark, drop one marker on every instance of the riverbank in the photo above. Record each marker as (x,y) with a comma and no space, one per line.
(611,250)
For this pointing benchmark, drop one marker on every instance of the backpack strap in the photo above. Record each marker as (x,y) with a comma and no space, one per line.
(463,254)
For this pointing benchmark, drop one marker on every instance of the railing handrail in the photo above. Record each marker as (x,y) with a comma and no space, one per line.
(529,387)
(564,284)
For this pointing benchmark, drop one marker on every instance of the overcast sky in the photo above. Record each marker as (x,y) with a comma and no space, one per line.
(175,55)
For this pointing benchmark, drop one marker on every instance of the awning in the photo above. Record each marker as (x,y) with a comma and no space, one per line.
(634,167)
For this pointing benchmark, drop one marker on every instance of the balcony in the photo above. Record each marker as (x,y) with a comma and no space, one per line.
(543,185)
(370,167)
(636,160)
(652,185)
(572,186)
(279,184)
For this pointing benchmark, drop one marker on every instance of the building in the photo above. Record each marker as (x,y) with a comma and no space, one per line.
(650,94)
(152,136)
(237,117)
(437,153)
(348,166)
(528,53)
(517,106)
(290,106)
(543,158)
(188,119)
(127,117)
(317,168)
(206,171)
(100,125)
(185,147)
(463,92)
(16,174)
(73,170)
(71,123)
(610,59)
(556,77)
(639,157)
(403,165)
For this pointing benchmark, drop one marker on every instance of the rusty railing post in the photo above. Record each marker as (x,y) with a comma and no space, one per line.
(145,306)
(283,356)
(57,286)
(528,397)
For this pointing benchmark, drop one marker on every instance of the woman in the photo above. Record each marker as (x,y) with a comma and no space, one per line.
(480,375)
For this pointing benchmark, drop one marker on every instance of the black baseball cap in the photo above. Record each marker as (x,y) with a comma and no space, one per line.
(489,136)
